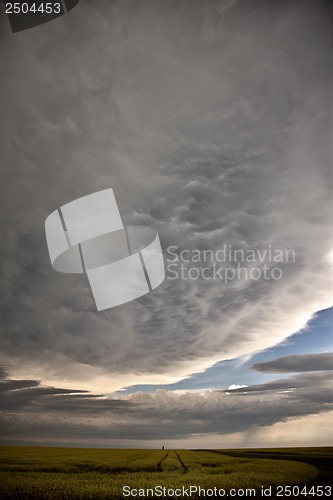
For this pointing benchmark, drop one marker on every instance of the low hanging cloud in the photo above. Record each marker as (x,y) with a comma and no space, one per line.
(211,124)
(37,413)
(298,363)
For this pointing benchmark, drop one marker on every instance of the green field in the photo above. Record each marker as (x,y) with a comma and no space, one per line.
(77,473)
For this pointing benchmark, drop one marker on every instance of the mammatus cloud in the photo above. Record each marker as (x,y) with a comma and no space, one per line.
(298,363)
(212,126)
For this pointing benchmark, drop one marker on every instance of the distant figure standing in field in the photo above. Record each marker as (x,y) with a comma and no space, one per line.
(163,447)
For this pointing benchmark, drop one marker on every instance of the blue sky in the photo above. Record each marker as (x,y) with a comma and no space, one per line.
(315,337)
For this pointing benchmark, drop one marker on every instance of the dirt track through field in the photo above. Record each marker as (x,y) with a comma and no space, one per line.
(181,462)
(159,465)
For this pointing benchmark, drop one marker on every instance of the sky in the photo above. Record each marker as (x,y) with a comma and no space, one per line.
(211,121)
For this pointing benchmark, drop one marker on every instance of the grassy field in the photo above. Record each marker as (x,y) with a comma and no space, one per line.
(67,473)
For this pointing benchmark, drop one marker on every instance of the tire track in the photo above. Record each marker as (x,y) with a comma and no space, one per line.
(181,462)
(159,465)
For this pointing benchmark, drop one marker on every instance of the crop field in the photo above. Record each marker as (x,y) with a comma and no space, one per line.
(69,473)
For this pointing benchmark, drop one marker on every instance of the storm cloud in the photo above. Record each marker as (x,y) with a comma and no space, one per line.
(298,363)
(211,123)
(45,413)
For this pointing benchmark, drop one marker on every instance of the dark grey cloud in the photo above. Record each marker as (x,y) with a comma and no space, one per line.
(298,363)
(9,385)
(162,415)
(30,396)
(210,122)
(302,381)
